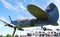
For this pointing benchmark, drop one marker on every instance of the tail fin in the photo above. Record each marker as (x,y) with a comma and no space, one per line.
(10,18)
(53,13)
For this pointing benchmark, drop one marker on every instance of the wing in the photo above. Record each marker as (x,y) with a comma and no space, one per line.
(37,12)
(7,24)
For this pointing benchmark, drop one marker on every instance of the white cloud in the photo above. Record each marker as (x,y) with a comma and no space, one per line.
(59,17)
(1,25)
(15,8)
(25,18)
(57,2)
(8,5)
(59,13)
(22,18)
(20,5)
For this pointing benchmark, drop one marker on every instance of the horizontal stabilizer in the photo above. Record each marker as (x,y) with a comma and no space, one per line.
(7,24)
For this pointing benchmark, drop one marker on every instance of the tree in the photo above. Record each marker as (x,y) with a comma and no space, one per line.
(8,35)
(16,36)
(1,36)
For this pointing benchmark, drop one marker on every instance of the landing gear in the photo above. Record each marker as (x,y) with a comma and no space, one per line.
(44,28)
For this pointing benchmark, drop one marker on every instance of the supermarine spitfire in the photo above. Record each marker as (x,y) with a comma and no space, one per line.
(43,17)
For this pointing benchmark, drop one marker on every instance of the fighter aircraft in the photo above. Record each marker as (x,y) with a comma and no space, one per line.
(49,16)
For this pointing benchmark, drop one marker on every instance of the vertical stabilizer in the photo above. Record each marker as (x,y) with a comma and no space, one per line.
(53,13)
(10,18)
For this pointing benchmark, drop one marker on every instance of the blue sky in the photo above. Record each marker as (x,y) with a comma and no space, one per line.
(17,9)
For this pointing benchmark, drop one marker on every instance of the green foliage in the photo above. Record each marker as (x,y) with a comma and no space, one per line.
(1,36)
(8,35)
(16,36)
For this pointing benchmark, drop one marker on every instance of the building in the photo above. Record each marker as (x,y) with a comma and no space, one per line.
(41,33)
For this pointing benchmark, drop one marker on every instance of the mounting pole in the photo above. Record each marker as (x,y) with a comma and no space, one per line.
(14,32)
